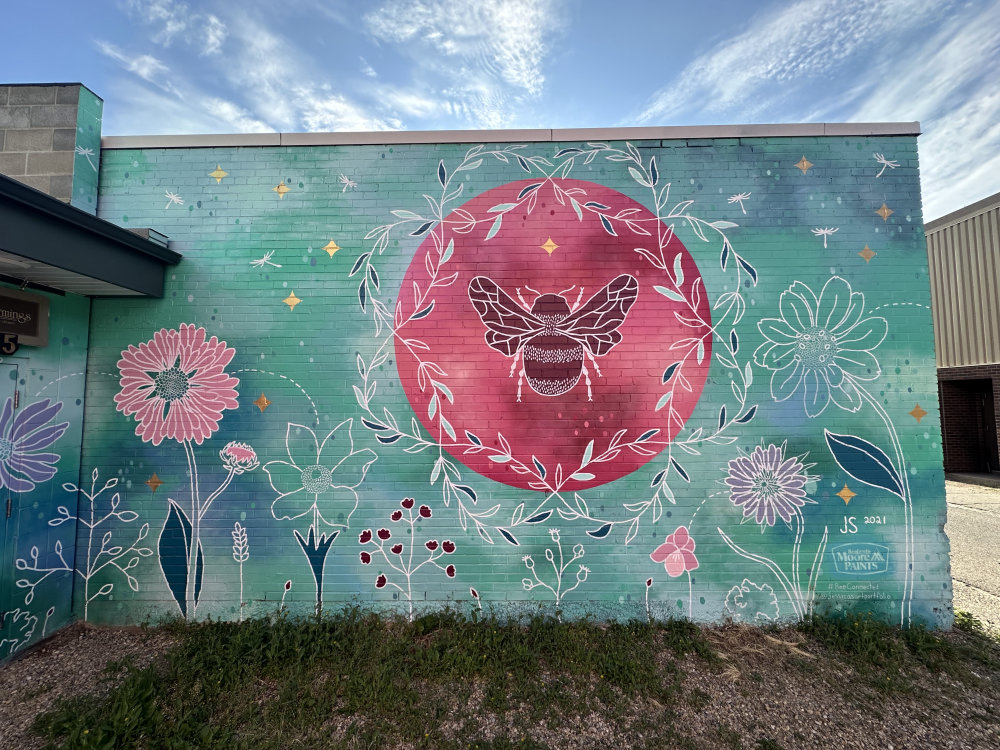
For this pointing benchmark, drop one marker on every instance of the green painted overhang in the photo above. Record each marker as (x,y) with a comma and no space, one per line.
(47,243)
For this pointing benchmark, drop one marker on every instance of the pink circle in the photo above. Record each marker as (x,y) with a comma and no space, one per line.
(446,344)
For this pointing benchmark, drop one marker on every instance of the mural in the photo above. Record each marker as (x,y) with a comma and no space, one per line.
(609,379)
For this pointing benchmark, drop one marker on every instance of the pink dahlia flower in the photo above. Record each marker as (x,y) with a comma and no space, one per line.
(176,385)
(676,553)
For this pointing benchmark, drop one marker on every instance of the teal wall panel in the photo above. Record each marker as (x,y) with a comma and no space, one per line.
(40,443)
(678,378)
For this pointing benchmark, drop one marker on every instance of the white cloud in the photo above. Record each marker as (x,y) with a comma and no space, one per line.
(235,117)
(784,49)
(490,54)
(146,67)
(335,113)
(367,69)
(173,20)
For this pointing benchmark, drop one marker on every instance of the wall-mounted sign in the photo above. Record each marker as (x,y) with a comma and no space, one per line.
(24,315)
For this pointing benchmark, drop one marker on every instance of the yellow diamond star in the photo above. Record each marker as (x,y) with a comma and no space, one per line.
(867,254)
(262,402)
(804,164)
(291,300)
(846,495)
(281,189)
(154,482)
(549,246)
(219,173)
(884,212)
(917,413)
(331,247)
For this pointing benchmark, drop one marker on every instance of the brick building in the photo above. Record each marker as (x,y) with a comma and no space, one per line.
(629,373)
(963,250)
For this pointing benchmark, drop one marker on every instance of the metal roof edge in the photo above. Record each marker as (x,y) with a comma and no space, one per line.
(966,212)
(393,137)
(68,214)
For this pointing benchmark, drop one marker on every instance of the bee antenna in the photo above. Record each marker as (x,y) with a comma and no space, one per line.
(564,292)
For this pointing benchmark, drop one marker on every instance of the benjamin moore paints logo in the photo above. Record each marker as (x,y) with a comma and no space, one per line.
(861,559)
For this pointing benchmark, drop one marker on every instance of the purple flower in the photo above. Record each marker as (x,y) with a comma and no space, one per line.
(22,434)
(767,485)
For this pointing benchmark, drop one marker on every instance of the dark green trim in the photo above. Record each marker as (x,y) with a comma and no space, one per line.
(36,226)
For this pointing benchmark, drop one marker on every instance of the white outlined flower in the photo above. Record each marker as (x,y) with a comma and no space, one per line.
(822,344)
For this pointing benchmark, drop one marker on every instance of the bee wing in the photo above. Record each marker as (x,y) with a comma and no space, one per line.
(595,324)
(508,325)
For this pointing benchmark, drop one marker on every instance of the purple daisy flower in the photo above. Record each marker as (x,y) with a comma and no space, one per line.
(767,485)
(22,434)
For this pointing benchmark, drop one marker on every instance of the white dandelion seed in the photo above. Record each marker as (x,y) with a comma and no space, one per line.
(824,233)
(739,198)
(88,152)
(266,260)
(173,198)
(885,163)
(347,182)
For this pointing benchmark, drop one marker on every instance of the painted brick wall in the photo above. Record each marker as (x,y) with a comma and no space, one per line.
(749,318)
(40,588)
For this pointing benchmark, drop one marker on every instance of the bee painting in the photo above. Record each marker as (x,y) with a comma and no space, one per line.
(553,341)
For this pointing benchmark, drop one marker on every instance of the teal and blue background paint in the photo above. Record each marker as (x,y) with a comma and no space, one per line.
(306,360)
(56,372)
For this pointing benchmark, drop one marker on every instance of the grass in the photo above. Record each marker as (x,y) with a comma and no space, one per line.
(357,680)
(259,683)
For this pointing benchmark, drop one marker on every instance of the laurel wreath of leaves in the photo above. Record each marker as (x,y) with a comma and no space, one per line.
(431,378)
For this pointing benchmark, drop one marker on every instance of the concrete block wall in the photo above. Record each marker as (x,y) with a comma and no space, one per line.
(41,128)
(362,385)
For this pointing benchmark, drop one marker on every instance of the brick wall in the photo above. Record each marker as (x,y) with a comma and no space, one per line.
(961,414)
(50,140)
(759,381)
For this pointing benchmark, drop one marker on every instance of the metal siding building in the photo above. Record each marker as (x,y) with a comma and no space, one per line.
(963,250)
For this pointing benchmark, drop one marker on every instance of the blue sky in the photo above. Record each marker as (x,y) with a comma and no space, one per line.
(227,66)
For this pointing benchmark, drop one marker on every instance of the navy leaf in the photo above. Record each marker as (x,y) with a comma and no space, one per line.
(473,438)
(174,550)
(524,164)
(864,461)
(421,229)
(722,417)
(658,478)
(388,439)
(358,263)
(467,490)
(374,276)
(749,269)
(539,517)
(442,173)
(566,151)
(607,226)
(199,568)
(373,425)
(647,435)
(601,532)
(423,313)
(508,536)
(652,171)
(669,372)
(748,416)
(734,341)
(528,189)
(680,470)
(595,204)
(725,256)
(539,466)
(362,296)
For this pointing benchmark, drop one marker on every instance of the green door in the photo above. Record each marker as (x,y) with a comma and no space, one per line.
(8,510)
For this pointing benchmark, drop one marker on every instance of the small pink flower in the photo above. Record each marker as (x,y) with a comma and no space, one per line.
(366,558)
(365,536)
(380,582)
(176,385)
(425,512)
(396,515)
(238,457)
(384,534)
(450,571)
(676,553)
(397,549)
(448,546)
(431,545)
(407,502)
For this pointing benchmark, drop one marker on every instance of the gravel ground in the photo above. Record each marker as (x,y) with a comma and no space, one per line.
(769,687)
